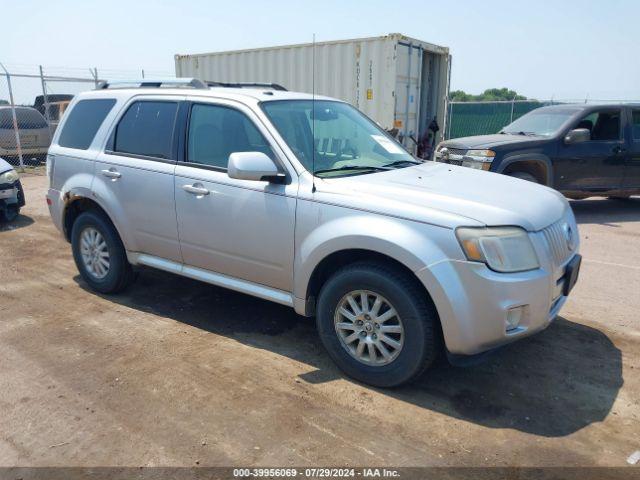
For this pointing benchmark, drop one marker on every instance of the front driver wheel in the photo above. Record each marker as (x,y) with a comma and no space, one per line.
(377,324)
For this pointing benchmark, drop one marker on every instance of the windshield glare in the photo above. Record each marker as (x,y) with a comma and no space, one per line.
(344,138)
(539,122)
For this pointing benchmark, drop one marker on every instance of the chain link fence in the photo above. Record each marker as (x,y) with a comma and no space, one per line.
(465,119)
(33,101)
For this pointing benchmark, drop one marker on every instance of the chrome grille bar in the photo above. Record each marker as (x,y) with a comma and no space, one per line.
(557,242)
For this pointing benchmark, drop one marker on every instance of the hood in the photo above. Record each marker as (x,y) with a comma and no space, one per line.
(5,166)
(489,141)
(448,196)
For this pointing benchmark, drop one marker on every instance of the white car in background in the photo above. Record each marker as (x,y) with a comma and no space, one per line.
(33,130)
(11,193)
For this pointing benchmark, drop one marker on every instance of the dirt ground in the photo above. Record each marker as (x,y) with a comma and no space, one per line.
(174,372)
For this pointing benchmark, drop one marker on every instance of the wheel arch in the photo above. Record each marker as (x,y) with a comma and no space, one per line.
(339,259)
(76,204)
(536,164)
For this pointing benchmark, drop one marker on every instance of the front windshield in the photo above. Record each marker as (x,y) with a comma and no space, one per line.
(543,122)
(343,140)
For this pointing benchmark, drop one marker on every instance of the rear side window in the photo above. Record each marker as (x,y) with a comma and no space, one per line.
(146,129)
(84,121)
(28,118)
(636,124)
(215,132)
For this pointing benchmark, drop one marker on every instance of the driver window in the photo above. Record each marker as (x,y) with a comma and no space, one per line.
(603,126)
(215,132)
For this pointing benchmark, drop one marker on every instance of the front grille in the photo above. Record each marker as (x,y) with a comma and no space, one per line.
(454,156)
(557,241)
(457,151)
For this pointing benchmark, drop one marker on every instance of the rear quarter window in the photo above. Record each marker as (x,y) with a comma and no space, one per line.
(83,122)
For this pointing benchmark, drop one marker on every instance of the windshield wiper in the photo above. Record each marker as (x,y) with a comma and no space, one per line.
(399,163)
(346,168)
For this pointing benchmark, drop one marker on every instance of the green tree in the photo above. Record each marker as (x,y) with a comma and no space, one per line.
(490,94)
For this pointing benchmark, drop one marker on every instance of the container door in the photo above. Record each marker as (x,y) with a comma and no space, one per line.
(409,73)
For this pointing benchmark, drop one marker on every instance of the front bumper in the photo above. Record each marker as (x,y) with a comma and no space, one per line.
(473,302)
(11,194)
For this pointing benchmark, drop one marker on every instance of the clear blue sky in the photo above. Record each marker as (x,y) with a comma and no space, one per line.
(561,48)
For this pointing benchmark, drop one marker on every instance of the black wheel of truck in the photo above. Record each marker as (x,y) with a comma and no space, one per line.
(99,254)
(377,324)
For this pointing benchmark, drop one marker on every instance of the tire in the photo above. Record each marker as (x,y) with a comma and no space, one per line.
(524,176)
(9,214)
(416,314)
(119,273)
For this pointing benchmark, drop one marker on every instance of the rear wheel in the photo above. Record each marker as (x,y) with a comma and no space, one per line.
(524,176)
(377,325)
(99,254)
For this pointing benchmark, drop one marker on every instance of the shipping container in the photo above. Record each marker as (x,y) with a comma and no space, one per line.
(400,82)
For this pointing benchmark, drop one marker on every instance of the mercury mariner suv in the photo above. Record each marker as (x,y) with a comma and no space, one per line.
(306,202)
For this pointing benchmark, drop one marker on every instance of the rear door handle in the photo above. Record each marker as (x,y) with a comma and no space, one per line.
(111,173)
(195,189)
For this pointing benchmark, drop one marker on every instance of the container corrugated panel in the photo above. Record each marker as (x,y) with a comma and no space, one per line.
(369,73)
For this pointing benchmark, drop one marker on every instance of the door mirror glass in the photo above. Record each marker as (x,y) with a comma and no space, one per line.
(254,166)
(577,135)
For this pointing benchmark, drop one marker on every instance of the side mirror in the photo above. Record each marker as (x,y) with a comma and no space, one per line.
(578,135)
(254,166)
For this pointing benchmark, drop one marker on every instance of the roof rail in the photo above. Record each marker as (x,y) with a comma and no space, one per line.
(274,86)
(153,83)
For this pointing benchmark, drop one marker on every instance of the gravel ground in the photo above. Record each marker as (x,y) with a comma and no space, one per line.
(179,373)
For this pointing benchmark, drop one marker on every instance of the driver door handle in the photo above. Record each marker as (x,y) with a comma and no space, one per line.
(195,189)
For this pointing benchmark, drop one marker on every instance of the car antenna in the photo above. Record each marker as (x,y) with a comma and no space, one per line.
(313,115)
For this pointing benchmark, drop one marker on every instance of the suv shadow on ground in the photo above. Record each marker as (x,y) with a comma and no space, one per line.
(552,384)
(606,212)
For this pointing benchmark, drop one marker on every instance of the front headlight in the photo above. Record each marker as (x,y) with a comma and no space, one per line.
(9,176)
(478,159)
(503,249)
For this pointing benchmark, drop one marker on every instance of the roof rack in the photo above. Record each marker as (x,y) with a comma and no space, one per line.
(274,86)
(154,83)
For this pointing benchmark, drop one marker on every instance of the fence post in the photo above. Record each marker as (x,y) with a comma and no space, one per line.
(513,101)
(47,115)
(15,119)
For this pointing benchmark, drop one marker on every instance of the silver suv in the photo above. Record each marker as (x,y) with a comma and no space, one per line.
(306,202)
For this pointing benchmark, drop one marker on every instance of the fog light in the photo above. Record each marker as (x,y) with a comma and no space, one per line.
(514,317)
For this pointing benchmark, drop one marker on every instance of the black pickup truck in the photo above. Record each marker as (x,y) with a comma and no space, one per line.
(580,150)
